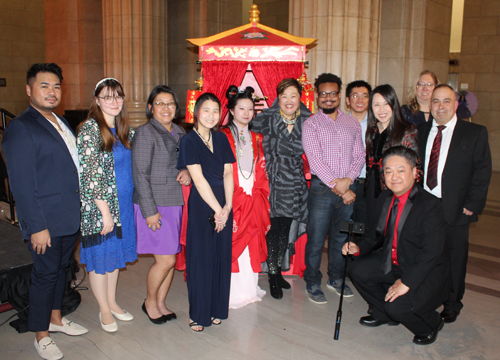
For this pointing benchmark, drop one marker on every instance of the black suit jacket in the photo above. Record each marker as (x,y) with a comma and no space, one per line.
(467,171)
(421,242)
(42,176)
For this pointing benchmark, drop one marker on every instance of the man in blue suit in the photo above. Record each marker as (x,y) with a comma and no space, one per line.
(42,165)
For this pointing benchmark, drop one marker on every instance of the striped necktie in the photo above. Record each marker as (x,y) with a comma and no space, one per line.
(434,159)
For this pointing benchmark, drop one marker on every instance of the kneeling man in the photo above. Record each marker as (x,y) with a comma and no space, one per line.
(401,270)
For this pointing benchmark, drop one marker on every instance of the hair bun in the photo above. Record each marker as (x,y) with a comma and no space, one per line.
(232,92)
(249,91)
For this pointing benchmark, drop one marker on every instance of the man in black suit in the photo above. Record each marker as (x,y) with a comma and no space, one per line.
(401,269)
(42,165)
(457,169)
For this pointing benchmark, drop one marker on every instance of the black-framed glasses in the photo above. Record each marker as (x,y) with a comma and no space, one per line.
(422,84)
(109,99)
(324,94)
(162,105)
(359,96)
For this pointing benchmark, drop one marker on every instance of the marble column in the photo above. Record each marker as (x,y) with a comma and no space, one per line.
(135,49)
(348,36)
(414,36)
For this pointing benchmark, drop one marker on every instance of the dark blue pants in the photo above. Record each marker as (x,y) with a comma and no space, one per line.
(48,280)
(326,211)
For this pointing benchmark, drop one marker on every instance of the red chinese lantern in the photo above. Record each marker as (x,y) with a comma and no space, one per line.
(192,96)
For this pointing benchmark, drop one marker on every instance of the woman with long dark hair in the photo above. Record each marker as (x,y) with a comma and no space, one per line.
(208,157)
(386,128)
(250,200)
(158,197)
(106,187)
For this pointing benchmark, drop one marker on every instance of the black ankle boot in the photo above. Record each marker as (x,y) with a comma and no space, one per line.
(282,282)
(274,286)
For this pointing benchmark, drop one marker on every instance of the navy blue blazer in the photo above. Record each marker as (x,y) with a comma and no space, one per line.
(42,176)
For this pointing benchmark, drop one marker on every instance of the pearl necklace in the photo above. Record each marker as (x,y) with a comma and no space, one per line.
(239,152)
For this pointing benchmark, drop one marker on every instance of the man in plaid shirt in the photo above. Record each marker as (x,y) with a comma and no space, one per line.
(334,148)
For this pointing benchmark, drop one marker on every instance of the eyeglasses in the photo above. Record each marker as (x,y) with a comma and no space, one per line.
(324,94)
(109,99)
(358,96)
(430,85)
(162,105)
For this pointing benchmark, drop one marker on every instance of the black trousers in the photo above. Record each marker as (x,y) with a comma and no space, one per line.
(457,242)
(367,275)
(48,280)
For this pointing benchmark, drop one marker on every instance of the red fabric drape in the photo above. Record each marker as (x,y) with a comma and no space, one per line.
(219,75)
(270,73)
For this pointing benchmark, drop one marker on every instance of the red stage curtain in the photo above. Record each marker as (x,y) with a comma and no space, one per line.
(270,73)
(219,75)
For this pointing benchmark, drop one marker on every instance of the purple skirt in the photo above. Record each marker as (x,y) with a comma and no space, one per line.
(164,241)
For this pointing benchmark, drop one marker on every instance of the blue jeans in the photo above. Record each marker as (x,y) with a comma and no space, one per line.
(326,211)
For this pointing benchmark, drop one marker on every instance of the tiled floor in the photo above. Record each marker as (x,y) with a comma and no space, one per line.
(292,328)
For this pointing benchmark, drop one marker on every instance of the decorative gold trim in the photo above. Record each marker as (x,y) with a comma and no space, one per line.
(209,39)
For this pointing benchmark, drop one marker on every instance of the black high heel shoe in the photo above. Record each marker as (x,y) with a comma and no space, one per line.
(282,282)
(158,321)
(274,286)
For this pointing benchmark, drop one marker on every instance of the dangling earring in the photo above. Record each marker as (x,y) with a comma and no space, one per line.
(297,113)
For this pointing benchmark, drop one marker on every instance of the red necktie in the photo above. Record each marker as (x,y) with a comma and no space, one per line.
(434,159)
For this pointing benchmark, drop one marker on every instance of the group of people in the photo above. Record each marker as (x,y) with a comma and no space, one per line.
(121,192)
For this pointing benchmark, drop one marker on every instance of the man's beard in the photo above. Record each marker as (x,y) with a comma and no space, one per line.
(329,110)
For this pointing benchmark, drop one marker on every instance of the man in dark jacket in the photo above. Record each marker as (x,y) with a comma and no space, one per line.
(401,269)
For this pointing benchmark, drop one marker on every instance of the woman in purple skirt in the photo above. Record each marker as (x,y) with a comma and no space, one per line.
(158,196)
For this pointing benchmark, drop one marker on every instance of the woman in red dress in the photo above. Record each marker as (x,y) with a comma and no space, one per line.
(251,207)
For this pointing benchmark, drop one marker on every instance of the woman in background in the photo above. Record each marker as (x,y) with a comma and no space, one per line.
(208,157)
(106,187)
(281,127)
(250,200)
(158,197)
(418,107)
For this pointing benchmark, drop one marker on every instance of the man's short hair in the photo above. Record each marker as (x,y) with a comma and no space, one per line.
(327,78)
(46,68)
(407,153)
(355,84)
(444,85)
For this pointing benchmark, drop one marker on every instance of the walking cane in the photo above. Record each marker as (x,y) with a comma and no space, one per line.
(352,228)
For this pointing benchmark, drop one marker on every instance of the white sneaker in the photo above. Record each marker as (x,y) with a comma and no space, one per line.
(47,349)
(69,328)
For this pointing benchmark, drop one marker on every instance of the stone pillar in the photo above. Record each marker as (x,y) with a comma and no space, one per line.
(480,66)
(414,36)
(135,49)
(73,40)
(194,19)
(347,33)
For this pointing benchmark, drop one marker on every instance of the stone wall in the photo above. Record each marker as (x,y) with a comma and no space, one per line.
(194,19)
(414,36)
(22,43)
(74,40)
(480,65)
(273,13)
